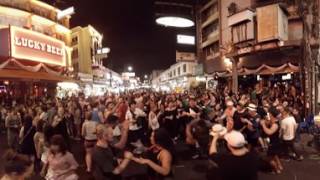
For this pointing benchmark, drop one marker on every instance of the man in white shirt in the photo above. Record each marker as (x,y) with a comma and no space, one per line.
(288,131)
(135,129)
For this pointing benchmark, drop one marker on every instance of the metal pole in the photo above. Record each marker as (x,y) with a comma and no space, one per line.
(235,75)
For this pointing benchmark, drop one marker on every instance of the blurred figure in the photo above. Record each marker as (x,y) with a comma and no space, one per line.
(61,163)
(162,155)
(90,138)
(104,163)
(13,124)
(16,166)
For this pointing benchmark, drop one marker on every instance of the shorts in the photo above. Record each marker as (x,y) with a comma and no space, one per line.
(89,143)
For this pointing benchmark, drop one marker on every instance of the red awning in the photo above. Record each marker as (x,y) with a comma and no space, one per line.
(21,74)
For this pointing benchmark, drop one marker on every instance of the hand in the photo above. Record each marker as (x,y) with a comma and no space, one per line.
(262,122)
(128,155)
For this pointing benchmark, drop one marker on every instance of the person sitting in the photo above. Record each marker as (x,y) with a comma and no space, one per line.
(162,156)
(16,166)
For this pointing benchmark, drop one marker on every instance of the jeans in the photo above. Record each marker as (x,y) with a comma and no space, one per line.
(13,138)
(289,148)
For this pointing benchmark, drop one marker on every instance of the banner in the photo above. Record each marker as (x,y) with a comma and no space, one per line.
(185,56)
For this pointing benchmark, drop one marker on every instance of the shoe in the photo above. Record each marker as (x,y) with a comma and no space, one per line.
(196,156)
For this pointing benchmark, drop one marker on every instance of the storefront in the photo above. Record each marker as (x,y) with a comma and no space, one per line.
(31,63)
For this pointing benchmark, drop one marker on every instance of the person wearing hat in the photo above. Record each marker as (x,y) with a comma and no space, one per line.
(240,163)
(271,128)
(252,129)
(228,112)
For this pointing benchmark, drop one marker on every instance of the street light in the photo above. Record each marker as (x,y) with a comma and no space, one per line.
(130,68)
(146,76)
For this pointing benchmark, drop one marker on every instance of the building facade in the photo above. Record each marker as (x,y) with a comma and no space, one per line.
(249,37)
(35,47)
(88,55)
(178,77)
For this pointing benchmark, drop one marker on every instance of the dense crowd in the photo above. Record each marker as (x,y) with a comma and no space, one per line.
(240,134)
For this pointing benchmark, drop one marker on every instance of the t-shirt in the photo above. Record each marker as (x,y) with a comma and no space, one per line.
(103,162)
(288,127)
(237,117)
(60,165)
(232,167)
(89,130)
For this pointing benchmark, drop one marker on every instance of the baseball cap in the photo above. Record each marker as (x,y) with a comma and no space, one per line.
(235,139)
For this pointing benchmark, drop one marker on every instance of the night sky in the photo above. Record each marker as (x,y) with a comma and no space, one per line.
(130,31)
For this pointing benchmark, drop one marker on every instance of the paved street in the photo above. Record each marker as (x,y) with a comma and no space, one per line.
(187,169)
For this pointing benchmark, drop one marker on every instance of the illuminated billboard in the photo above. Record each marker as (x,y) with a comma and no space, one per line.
(34,46)
(185,39)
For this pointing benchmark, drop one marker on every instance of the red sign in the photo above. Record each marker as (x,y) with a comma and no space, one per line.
(34,46)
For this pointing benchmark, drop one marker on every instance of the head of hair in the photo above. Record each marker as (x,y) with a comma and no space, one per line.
(15,163)
(88,115)
(163,139)
(112,119)
(58,140)
(40,126)
(101,129)
(132,103)
(27,122)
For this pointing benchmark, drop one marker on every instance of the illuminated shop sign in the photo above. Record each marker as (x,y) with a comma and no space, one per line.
(34,46)
(19,41)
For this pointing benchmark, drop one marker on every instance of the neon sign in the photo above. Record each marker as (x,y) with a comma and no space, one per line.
(34,46)
(38,45)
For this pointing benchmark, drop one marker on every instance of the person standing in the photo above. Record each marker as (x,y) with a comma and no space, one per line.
(134,127)
(272,129)
(153,118)
(13,124)
(59,125)
(288,132)
(26,137)
(240,163)
(88,132)
(161,158)
(104,162)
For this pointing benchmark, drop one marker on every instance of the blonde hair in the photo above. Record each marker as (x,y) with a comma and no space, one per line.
(101,129)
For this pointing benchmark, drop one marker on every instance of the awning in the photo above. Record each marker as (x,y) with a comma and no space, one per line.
(214,65)
(21,74)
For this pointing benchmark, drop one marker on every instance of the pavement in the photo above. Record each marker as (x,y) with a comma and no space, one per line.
(188,169)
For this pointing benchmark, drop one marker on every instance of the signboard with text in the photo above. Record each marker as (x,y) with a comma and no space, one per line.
(34,46)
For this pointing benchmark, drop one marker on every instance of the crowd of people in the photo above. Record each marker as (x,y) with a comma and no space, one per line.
(240,133)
